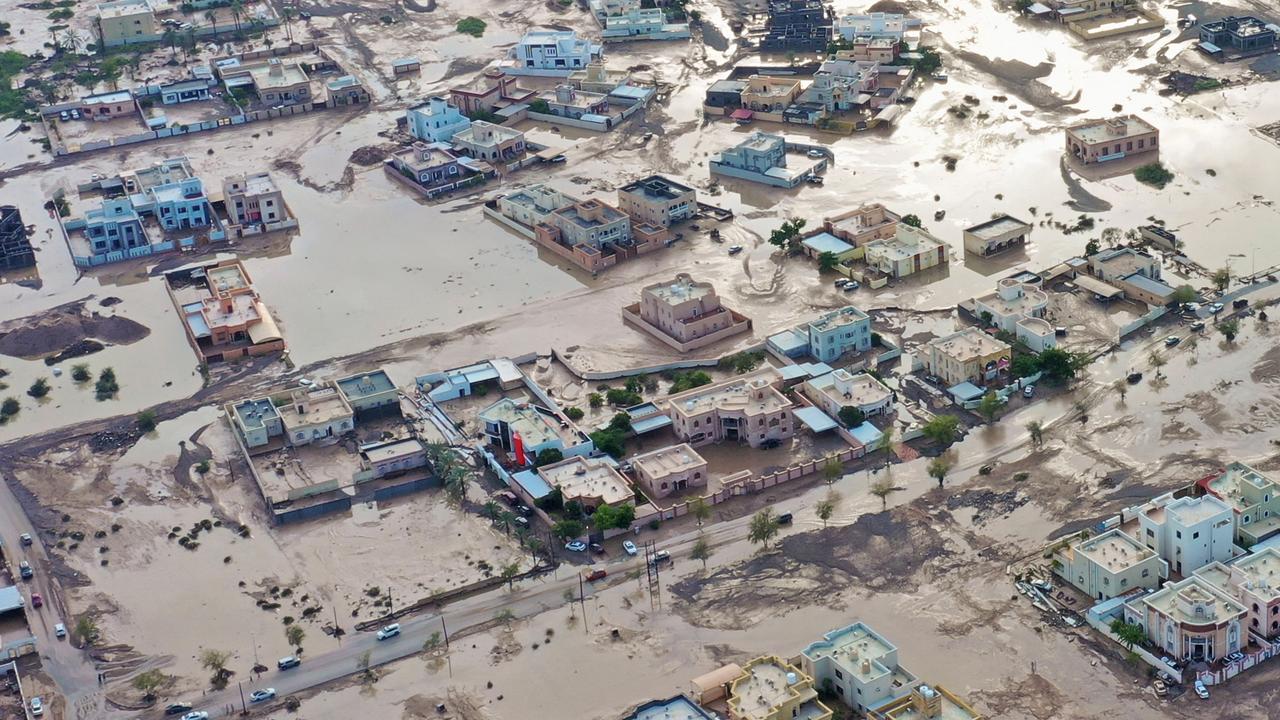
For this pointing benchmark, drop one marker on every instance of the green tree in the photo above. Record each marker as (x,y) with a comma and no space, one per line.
(1092,248)
(39,388)
(827,261)
(509,573)
(787,236)
(1221,278)
(912,220)
(80,373)
(1036,431)
(595,400)
(608,517)
(1229,328)
(294,635)
(491,509)
(107,386)
(701,551)
(832,470)
(882,488)
(147,682)
(86,629)
(610,441)
(1128,633)
(851,416)
(286,14)
(942,429)
(928,62)
(472,26)
(989,406)
(146,421)
(689,380)
(1060,365)
(1184,294)
(1153,174)
(566,529)
(1157,361)
(215,661)
(9,407)
(547,456)
(826,507)
(573,413)
(763,528)
(938,469)
(212,17)
(237,9)
(700,510)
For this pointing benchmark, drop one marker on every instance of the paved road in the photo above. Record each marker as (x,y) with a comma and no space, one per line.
(70,668)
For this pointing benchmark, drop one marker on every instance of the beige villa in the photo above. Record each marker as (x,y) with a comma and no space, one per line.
(747,409)
(1098,141)
(684,314)
(589,482)
(969,355)
(668,470)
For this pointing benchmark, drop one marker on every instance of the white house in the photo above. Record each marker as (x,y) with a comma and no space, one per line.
(1188,533)
(1018,308)
(552,53)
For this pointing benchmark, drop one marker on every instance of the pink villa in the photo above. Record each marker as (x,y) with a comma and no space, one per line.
(684,314)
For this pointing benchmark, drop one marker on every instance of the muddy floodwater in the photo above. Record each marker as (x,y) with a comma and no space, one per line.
(375,275)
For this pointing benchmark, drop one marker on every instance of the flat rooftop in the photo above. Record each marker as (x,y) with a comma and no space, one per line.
(736,394)
(657,187)
(677,708)
(761,141)
(968,344)
(1262,568)
(365,385)
(838,318)
(907,242)
(1114,551)
(286,75)
(1190,511)
(1029,299)
(1178,600)
(763,688)
(1109,130)
(256,184)
(668,460)
(949,709)
(392,450)
(590,214)
(536,426)
(997,227)
(1237,477)
(582,478)
(227,278)
(313,407)
(852,644)
(254,413)
(847,389)
(123,8)
(863,219)
(682,289)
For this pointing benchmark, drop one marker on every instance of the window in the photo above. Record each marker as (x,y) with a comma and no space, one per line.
(1146,572)
(1195,535)
(1178,534)
(839,674)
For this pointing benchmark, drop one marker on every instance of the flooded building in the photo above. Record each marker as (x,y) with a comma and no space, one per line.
(862,225)
(771,688)
(567,102)
(676,708)
(1098,141)
(114,228)
(1254,582)
(435,120)
(927,702)
(223,315)
(185,91)
(859,665)
(767,94)
(122,22)
(1135,272)
(531,206)
(493,90)
(747,409)
(384,459)
(346,90)
(892,26)
(522,430)
(996,235)
(256,420)
(684,314)
(589,233)
(275,81)
(1110,565)
(434,169)
(109,105)
(597,78)
(909,251)
(761,158)
(724,95)
(1190,620)
(838,332)
(969,355)
(657,200)
(590,482)
(169,191)
(881,50)
(314,415)
(668,470)
(15,247)
(841,389)
(1254,497)
(552,53)
(1018,308)
(842,85)
(370,394)
(1242,34)
(254,203)
(484,140)
(1187,533)
(797,26)
(637,23)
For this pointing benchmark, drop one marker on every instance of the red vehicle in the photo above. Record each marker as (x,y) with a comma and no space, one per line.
(596,574)
(36,600)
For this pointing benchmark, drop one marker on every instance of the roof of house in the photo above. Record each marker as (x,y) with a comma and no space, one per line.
(668,460)
(384,452)
(826,242)
(579,477)
(997,226)
(11,599)
(1155,287)
(968,344)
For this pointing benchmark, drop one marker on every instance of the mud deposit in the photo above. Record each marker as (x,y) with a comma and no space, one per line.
(888,550)
(64,329)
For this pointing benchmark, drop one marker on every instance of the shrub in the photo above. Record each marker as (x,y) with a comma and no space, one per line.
(106,387)
(573,413)
(689,380)
(623,398)
(9,407)
(80,373)
(472,26)
(1153,174)
(146,421)
(39,388)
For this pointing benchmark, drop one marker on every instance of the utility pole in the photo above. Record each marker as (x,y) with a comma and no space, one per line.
(446,634)
(244,707)
(337,630)
(582,601)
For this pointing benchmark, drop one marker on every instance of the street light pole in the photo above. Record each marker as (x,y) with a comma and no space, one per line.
(244,707)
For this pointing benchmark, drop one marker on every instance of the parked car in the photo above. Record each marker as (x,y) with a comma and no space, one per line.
(177,708)
(507,498)
(389,631)
(629,547)
(60,630)
(1235,657)
(37,706)
(558,159)
(597,548)
(841,282)
(24,569)
(75,114)
(1172,340)
(735,249)
(1134,377)
(595,574)
(813,179)
(36,600)
(1197,326)
(1240,303)
(1201,691)
(770,444)
(816,153)
(197,715)
(262,695)
(1160,688)
(25,539)
(286,663)
(851,286)
(64,116)
(939,76)
(660,556)
(575,546)
(524,510)
(1029,391)
(1216,308)
(521,521)
(784,519)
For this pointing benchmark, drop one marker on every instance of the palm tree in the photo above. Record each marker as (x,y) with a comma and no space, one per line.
(170,38)
(509,573)
(506,517)
(212,17)
(882,488)
(1036,430)
(826,507)
(237,9)
(287,16)
(832,470)
(764,526)
(491,509)
(1157,361)
(938,469)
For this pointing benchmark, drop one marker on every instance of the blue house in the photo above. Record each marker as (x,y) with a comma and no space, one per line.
(184,91)
(116,226)
(171,192)
(436,120)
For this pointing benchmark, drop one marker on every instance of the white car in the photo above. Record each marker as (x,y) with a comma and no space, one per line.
(629,547)
(1201,691)
(37,706)
(258,696)
(196,715)
(816,153)
(389,631)
(60,630)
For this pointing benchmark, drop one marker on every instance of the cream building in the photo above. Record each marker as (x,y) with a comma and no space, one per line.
(1254,497)
(841,389)
(747,409)
(969,355)
(126,21)
(1191,620)
(1109,565)
(591,482)
(770,688)
(1018,309)
(685,314)
(668,470)
(909,251)
(1254,582)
